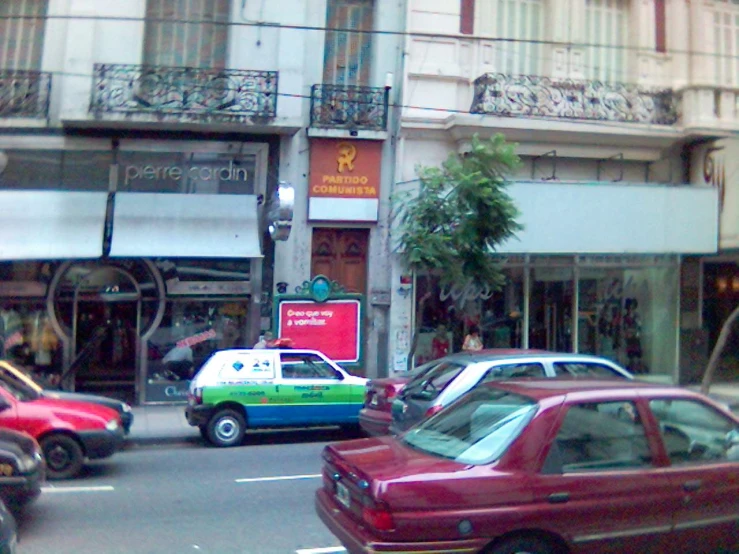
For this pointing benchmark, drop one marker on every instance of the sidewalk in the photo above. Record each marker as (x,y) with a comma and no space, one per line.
(160,425)
(166,424)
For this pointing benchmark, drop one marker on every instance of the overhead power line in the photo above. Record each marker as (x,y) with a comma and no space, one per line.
(318,28)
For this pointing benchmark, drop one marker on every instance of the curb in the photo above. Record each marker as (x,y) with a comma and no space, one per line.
(133,442)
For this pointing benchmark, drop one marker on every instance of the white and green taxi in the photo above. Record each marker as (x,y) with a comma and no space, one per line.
(241,388)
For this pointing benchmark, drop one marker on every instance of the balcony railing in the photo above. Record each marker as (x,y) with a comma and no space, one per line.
(24,94)
(351,108)
(529,96)
(185,93)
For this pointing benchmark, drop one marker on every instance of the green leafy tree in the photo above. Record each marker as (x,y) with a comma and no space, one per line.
(460,215)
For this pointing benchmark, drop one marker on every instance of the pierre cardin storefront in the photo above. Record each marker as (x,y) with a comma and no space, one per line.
(125,264)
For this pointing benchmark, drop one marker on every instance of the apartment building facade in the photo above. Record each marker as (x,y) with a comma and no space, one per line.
(141,145)
(623,113)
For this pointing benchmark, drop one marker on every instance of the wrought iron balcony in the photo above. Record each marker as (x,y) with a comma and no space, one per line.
(529,96)
(24,94)
(349,107)
(185,93)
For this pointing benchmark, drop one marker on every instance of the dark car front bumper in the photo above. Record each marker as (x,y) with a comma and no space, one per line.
(19,490)
(101,444)
(198,415)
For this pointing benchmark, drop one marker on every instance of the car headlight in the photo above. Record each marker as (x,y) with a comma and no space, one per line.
(126,408)
(112,425)
(28,463)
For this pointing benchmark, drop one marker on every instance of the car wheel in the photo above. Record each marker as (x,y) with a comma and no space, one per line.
(522,545)
(226,428)
(63,455)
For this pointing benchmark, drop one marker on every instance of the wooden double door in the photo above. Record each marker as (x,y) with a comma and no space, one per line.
(341,255)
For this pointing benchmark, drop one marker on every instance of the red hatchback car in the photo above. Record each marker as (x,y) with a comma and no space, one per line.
(69,432)
(544,467)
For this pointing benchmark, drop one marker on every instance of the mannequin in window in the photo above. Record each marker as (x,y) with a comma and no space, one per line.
(472,342)
(440,343)
(632,336)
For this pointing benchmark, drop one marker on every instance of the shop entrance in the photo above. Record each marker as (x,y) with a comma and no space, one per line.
(105,332)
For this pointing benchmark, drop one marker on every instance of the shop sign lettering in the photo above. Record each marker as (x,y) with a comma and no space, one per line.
(197,339)
(172,391)
(463,293)
(151,172)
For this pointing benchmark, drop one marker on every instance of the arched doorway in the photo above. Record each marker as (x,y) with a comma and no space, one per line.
(104,313)
(105,331)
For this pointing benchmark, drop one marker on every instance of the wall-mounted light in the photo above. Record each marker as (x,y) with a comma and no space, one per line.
(280,212)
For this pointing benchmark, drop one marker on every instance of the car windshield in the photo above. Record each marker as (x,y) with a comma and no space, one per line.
(428,385)
(19,390)
(476,430)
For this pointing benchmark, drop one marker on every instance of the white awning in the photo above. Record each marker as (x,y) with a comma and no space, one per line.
(43,225)
(185,225)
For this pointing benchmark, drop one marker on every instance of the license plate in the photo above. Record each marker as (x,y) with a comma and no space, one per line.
(342,495)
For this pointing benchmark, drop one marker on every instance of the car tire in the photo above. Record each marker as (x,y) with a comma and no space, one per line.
(226,428)
(63,455)
(522,545)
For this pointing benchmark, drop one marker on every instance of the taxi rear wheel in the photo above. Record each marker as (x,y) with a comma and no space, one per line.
(226,428)
(63,455)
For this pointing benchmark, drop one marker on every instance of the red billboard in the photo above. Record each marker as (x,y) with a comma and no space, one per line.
(331,327)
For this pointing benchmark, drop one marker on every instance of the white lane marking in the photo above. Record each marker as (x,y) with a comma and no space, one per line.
(101,488)
(321,550)
(279,478)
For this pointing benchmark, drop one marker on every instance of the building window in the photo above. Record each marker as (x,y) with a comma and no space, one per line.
(22,40)
(606,27)
(348,55)
(522,20)
(726,41)
(186,33)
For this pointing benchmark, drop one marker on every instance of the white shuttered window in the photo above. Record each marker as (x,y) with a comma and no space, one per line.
(22,40)
(520,20)
(607,28)
(177,37)
(726,42)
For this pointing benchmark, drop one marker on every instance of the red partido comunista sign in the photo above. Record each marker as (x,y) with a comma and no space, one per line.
(331,327)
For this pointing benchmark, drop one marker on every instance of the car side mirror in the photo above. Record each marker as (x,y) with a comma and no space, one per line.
(732,438)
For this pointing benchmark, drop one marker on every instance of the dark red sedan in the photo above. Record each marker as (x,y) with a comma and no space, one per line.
(544,467)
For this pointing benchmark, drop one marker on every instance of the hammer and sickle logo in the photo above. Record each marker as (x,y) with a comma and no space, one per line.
(345,159)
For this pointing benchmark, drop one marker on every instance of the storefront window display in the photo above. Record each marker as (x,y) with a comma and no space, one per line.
(629,315)
(626,306)
(27,337)
(450,311)
(78,170)
(190,331)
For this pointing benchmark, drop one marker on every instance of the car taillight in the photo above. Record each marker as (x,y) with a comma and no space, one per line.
(434,410)
(198,395)
(379,516)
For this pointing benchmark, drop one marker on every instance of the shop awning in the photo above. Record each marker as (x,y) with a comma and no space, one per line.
(185,225)
(43,225)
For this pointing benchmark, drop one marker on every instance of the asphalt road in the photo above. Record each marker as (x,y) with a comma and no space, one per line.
(255,499)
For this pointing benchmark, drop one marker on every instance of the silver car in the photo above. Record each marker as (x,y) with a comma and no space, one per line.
(454,375)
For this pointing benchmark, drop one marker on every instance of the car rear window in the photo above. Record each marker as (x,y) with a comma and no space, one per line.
(475,430)
(585,370)
(430,384)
